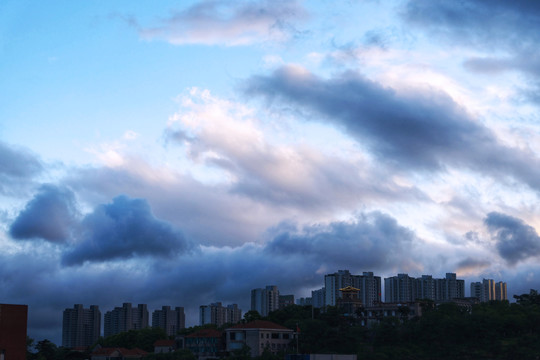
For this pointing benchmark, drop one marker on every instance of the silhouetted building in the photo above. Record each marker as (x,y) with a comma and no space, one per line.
(219,315)
(125,318)
(368,285)
(169,320)
(285,300)
(403,288)
(13,322)
(81,327)
(265,300)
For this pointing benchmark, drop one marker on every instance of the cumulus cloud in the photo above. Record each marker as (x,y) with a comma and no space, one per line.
(124,229)
(374,240)
(50,215)
(418,130)
(515,240)
(229,23)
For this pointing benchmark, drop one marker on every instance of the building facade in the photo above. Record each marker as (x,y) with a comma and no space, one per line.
(265,300)
(403,288)
(125,318)
(170,320)
(488,290)
(13,324)
(80,326)
(259,335)
(219,315)
(368,285)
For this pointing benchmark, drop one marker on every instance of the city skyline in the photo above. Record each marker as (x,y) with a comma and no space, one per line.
(187,153)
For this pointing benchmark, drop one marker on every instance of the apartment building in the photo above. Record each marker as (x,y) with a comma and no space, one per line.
(125,318)
(80,326)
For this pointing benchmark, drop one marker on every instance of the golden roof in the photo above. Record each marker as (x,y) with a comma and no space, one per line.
(349,289)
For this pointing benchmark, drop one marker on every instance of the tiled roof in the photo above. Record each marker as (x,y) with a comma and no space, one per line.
(132,352)
(259,324)
(164,343)
(205,333)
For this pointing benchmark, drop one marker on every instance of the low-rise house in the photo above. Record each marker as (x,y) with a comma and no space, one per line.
(205,343)
(259,335)
(164,346)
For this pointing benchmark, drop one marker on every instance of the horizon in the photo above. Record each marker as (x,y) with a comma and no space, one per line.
(175,153)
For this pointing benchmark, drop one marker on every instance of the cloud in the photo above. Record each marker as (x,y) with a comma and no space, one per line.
(472,265)
(17,167)
(417,131)
(50,215)
(514,239)
(228,23)
(505,33)
(124,229)
(374,240)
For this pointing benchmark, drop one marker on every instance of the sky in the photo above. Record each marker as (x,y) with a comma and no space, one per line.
(184,153)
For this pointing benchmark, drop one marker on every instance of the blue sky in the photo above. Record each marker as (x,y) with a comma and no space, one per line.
(183,153)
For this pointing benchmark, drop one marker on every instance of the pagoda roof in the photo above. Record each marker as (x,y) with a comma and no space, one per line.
(349,289)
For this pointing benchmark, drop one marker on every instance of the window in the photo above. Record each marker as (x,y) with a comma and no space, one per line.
(233,336)
(262,336)
(275,335)
(285,336)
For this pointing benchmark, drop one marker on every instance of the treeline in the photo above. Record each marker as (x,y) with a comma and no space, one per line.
(494,330)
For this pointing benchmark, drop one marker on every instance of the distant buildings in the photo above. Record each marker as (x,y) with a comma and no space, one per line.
(13,322)
(403,288)
(170,320)
(285,300)
(368,285)
(488,290)
(125,318)
(265,300)
(219,315)
(80,326)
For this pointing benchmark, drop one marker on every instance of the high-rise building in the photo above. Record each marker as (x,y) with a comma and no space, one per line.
(500,291)
(370,288)
(80,326)
(403,288)
(169,320)
(368,285)
(125,318)
(317,298)
(285,300)
(13,321)
(400,288)
(488,290)
(265,300)
(219,315)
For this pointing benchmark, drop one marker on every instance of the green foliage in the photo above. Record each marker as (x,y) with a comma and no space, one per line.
(143,339)
(252,315)
(493,330)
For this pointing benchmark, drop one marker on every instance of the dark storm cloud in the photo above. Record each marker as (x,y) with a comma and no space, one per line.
(50,215)
(124,229)
(413,131)
(17,166)
(514,239)
(375,241)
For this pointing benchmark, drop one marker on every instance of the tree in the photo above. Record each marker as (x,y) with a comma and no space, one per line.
(252,315)
(46,350)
